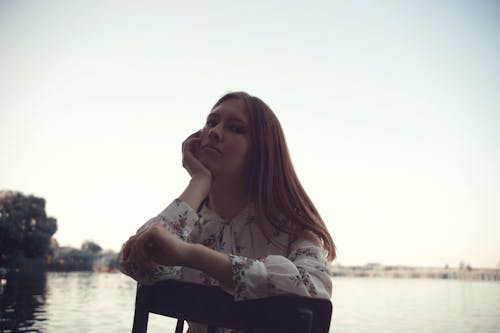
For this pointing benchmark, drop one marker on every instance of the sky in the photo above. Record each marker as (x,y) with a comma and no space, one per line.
(391,110)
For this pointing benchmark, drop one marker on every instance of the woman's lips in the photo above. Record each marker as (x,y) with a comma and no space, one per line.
(210,147)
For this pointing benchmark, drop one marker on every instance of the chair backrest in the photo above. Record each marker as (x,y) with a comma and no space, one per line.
(212,306)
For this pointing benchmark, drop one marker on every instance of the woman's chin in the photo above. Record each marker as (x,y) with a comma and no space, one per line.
(208,163)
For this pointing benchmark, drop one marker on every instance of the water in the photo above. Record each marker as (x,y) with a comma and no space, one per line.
(414,305)
(103,302)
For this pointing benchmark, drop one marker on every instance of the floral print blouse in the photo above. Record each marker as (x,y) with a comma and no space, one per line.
(260,268)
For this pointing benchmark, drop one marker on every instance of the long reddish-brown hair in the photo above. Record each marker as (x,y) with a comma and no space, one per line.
(273,183)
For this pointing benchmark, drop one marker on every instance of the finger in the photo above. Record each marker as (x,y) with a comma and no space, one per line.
(126,249)
(143,238)
(146,227)
(195,135)
(143,242)
(191,145)
(190,159)
(152,250)
(135,266)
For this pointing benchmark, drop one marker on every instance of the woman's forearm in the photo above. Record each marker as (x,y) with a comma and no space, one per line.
(214,263)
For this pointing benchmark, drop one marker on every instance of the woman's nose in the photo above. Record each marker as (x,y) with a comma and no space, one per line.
(215,132)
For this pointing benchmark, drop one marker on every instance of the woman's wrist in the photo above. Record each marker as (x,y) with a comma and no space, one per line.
(196,191)
(202,181)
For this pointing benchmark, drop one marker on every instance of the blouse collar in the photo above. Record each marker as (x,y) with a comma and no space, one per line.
(210,214)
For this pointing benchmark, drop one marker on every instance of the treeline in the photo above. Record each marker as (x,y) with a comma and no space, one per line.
(27,242)
(89,257)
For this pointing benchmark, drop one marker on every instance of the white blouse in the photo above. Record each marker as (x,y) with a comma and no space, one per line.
(260,268)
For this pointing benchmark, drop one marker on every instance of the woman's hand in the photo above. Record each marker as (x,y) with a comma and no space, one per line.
(190,155)
(201,177)
(155,244)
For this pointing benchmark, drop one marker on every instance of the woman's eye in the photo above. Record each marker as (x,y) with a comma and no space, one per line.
(237,129)
(211,123)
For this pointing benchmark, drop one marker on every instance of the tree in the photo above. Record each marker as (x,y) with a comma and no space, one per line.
(92,247)
(25,228)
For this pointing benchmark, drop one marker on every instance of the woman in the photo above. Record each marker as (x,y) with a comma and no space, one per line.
(244,221)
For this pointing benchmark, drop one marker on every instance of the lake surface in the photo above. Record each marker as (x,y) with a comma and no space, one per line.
(104,302)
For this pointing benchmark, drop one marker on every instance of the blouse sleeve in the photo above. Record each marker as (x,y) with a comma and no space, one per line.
(303,273)
(179,218)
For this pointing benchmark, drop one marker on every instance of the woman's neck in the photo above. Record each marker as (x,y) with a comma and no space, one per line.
(227,200)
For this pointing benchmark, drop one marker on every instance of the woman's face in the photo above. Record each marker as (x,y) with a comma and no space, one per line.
(225,140)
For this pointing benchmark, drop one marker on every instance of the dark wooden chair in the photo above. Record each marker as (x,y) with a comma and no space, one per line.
(216,308)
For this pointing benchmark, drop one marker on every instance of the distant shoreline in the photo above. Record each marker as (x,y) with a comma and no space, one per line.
(379,270)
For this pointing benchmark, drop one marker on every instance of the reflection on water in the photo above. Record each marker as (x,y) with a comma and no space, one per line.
(22,302)
(104,302)
(72,302)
